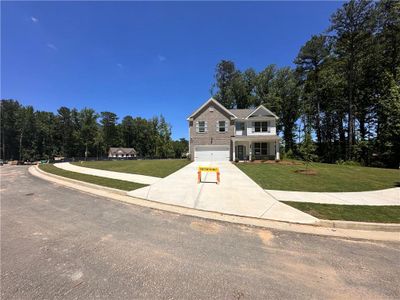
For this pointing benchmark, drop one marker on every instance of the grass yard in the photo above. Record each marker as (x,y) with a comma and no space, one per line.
(359,213)
(156,167)
(327,178)
(112,183)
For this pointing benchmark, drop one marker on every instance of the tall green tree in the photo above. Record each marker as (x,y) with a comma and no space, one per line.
(285,91)
(164,142)
(88,129)
(108,120)
(25,123)
(352,25)
(9,113)
(45,143)
(225,75)
(127,131)
(180,147)
(309,62)
(66,131)
(388,130)
(262,89)
(388,37)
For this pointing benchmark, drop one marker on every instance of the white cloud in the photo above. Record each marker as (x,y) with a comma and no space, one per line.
(161,58)
(34,20)
(51,46)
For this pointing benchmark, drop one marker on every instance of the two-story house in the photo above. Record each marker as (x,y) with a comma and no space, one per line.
(220,134)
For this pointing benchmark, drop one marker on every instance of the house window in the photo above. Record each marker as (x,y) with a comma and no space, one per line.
(260,148)
(260,126)
(221,126)
(201,126)
(239,126)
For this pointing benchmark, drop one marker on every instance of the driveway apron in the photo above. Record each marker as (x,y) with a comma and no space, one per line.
(236,194)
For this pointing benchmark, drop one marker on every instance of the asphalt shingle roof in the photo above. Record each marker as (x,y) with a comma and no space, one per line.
(242,113)
(124,150)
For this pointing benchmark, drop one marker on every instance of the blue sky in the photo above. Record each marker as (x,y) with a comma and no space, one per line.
(143,59)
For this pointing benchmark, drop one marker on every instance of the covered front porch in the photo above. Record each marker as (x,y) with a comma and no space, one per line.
(255,148)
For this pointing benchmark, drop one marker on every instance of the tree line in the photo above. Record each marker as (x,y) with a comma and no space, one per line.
(344,90)
(28,134)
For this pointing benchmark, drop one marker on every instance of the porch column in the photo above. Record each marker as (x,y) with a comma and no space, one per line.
(250,150)
(233,150)
(277,156)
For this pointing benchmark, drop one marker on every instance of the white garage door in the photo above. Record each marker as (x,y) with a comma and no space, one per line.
(211,153)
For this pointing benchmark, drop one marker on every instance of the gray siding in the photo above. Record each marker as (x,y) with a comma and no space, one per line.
(211,137)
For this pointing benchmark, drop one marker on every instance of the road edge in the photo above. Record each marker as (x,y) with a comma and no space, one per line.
(324,227)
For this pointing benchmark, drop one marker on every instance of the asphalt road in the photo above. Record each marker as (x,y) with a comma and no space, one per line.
(61,243)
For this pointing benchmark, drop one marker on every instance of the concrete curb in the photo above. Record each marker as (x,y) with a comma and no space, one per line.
(360,225)
(393,234)
(87,184)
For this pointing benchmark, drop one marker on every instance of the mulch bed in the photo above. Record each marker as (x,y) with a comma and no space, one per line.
(281,162)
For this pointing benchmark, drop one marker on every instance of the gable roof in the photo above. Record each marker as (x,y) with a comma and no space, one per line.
(265,109)
(211,101)
(123,150)
(241,113)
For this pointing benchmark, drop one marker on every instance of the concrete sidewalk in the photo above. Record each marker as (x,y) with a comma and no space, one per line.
(237,194)
(381,197)
(108,174)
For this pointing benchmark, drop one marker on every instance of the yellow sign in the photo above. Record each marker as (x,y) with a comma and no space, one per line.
(208,169)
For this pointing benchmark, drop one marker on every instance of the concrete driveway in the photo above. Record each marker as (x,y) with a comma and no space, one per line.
(237,194)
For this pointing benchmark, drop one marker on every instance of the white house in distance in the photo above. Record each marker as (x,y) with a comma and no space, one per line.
(220,134)
(121,152)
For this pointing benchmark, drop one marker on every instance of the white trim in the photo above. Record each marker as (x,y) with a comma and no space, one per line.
(266,109)
(216,103)
(256,138)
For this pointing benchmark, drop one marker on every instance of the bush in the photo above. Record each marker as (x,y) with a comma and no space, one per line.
(288,154)
(348,162)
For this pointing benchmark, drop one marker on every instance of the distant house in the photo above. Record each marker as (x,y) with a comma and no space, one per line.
(121,152)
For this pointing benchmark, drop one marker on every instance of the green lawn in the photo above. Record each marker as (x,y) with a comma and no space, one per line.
(155,167)
(328,177)
(359,213)
(112,183)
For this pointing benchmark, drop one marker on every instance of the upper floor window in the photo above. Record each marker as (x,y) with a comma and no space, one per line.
(201,126)
(221,126)
(260,126)
(239,126)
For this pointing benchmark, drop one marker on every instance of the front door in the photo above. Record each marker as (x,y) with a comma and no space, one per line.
(241,152)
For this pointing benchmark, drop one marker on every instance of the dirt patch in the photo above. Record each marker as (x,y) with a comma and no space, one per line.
(265,236)
(206,227)
(306,172)
(107,237)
